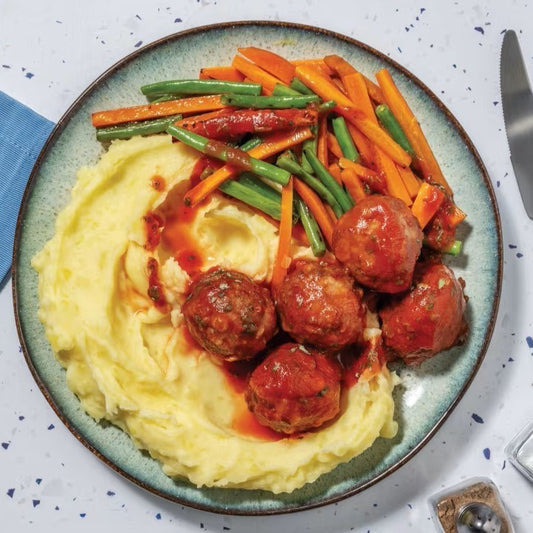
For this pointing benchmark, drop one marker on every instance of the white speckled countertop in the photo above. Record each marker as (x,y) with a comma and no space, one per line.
(50,51)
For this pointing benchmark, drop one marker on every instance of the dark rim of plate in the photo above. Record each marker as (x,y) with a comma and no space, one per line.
(221,509)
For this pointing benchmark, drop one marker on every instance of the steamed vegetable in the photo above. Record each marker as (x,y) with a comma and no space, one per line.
(300,140)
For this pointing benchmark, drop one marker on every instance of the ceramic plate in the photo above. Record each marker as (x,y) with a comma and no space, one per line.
(427,394)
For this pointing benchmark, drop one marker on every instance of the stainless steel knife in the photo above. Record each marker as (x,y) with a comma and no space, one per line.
(517,101)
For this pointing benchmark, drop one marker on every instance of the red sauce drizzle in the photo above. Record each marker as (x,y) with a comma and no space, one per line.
(158,183)
(192,347)
(155,288)
(237,374)
(177,239)
(372,358)
(245,423)
(199,168)
(152,225)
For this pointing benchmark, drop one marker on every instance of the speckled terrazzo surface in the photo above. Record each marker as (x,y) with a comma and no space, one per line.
(50,481)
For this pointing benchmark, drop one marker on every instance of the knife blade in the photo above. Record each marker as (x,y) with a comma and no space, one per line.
(517,102)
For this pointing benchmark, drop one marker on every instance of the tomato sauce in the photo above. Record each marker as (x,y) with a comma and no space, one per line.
(244,422)
(158,183)
(233,156)
(201,166)
(155,288)
(237,374)
(152,225)
(371,360)
(176,237)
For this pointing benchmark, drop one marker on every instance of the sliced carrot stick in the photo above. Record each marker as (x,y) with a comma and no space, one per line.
(389,170)
(318,64)
(455,215)
(363,146)
(357,92)
(271,145)
(328,91)
(373,180)
(338,83)
(273,63)
(339,65)
(225,72)
(331,213)
(359,169)
(376,134)
(335,171)
(427,202)
(409,123)
(411,182)
(374,91)
(283,254)
(191,119)
(191,105)
(322,140)
(317,208)
(344,68)
(333,145)
(321,85)
(254,73)
(353,184)
(264,90)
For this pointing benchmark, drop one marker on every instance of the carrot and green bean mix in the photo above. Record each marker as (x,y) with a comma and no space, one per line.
(302,141)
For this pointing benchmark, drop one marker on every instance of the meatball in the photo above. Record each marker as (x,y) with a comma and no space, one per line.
(379,241)
(295,389)
(229,314)
(427,319)
(318,304)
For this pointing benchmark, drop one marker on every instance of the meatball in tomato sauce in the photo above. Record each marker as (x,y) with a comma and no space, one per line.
(319,304)
(295,389)
(229,314)
(379,241)
(427,319)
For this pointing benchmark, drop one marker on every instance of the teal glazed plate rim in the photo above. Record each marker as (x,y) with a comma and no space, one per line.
(427,394)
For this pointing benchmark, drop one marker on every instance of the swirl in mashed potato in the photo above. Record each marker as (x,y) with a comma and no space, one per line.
(130,362)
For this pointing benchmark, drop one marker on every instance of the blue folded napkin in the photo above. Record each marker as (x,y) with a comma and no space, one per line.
(22,135)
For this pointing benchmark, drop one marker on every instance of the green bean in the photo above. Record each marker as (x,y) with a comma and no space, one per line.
(288,162)
(327,106)
(329,181)
(229,154)
(156,99)
(299,101)
(256,183)
(311,145)
(391,124)
(311,227)
(252,197)
(252,142)
(192,86)
(299,86)
(126,131)
(342,134)
(284,90)
(268,191)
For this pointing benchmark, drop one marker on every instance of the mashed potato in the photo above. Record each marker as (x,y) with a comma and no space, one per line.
(131,363)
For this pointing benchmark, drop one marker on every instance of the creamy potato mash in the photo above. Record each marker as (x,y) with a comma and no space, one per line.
(131,362)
